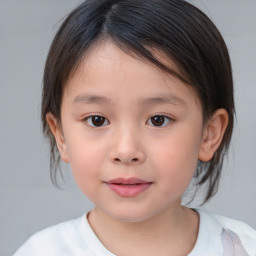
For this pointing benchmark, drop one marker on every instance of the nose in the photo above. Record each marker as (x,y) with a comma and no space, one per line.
(127,149)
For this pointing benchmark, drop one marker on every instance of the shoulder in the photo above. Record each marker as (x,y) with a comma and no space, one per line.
(55,240)
(239,233)
(74,237)
(235,236)
(235,225)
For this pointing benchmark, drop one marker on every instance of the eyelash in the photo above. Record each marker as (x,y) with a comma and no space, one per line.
(104,121)
(162,118)
(89,120)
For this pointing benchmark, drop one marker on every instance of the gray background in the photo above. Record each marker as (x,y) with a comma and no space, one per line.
(29,202)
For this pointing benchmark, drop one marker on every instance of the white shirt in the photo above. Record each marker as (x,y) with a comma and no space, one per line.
(218,236)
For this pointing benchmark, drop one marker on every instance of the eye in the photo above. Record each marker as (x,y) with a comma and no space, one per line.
(159,120)
(96,121)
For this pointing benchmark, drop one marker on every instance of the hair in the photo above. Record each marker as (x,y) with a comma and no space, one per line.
(174,27)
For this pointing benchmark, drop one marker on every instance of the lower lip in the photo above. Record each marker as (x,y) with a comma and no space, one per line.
(130,190)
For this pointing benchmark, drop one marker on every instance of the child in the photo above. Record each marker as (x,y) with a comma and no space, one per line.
(138,98)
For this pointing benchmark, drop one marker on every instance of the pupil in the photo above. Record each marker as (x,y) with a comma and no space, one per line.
(98,120)
(157,120)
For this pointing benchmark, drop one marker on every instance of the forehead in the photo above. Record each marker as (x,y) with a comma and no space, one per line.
(107,49)
(106,64)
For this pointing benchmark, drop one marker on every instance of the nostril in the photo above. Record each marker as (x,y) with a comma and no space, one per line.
(134,160)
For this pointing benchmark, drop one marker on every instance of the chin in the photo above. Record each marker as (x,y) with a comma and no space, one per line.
(130,216)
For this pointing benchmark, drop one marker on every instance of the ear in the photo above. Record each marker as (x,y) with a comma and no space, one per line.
(213,134)
(58,134)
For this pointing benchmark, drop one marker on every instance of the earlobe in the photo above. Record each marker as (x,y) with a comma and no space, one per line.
(58,134)
(213,134)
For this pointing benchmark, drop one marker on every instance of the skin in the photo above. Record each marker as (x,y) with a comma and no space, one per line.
(128,144)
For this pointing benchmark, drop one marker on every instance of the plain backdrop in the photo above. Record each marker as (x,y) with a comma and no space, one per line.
(29,202)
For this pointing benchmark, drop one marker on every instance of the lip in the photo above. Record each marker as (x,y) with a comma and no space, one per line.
(128,187)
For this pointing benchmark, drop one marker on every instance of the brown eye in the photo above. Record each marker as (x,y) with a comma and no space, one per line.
(96,121)
(159,121)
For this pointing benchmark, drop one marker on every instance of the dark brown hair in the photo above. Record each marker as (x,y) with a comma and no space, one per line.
(176,28)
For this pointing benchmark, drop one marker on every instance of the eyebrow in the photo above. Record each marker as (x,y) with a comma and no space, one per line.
(163,99)
(91,99)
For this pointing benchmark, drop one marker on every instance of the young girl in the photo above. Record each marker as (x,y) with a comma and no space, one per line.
(138,98)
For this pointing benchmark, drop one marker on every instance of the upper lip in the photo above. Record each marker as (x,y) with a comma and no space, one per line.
(127,181)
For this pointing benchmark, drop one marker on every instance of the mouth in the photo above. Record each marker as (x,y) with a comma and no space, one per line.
(128,187)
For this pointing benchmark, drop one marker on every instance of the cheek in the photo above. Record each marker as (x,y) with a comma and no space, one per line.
(176,158)
(85,161)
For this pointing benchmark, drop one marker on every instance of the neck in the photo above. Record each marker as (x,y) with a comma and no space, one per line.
(172,232)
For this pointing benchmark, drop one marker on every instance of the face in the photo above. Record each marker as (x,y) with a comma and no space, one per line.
(131,133)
